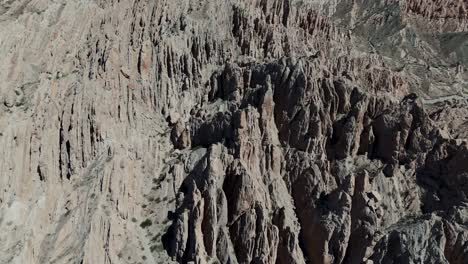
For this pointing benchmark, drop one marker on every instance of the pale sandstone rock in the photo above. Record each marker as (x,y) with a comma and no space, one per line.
(278,131)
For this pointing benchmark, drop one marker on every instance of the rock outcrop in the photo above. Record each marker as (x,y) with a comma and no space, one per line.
(265,131)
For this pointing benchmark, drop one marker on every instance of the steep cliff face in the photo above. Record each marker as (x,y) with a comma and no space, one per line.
(266,131)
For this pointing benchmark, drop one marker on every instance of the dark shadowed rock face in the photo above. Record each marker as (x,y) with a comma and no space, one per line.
(263,131)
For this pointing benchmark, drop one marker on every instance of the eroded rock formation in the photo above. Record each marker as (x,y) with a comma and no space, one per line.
(266,131)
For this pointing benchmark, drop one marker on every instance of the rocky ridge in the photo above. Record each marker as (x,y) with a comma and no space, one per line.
(233,131)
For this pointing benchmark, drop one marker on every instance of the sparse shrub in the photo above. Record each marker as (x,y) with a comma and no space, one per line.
(146,223)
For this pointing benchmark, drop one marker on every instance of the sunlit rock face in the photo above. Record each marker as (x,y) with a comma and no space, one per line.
(233,131)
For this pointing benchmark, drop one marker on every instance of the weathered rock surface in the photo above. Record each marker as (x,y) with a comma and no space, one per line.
(234,131)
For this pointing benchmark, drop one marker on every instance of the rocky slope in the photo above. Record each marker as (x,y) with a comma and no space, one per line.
(234,131)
